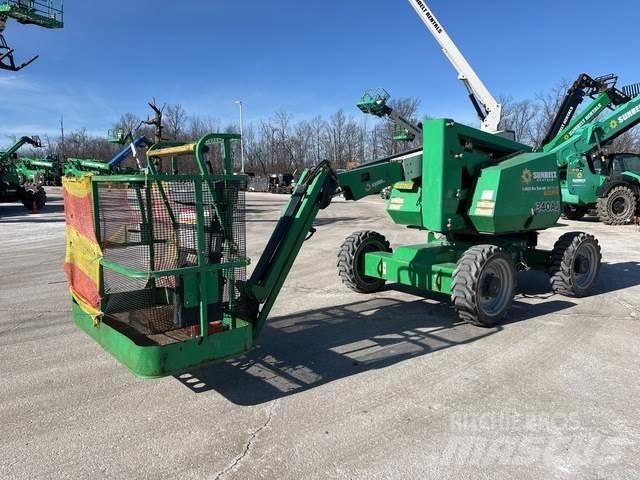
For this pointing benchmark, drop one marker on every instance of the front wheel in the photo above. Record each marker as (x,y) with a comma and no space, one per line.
(351,260)
(575,264)
(618,207)
(484,284)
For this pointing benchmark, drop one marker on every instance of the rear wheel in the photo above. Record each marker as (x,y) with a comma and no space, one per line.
(351,260)
(34,198)
(618,207)
(575,264)
(573,212)
(484,284)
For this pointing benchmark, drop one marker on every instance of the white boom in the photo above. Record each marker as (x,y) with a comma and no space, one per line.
(489,110)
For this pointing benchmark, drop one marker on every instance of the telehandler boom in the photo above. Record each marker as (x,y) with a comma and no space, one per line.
(604,93)
(589,177)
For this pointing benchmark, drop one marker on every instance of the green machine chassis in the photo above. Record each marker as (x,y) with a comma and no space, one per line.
(480,199)
(43,13)
(21,180)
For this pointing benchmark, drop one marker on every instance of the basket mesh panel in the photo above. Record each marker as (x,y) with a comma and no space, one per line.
(137,231)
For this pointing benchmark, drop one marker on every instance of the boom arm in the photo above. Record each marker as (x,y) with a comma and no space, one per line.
(313,193)
(374,102)
(47,14)
(593,136)
(563,127)
(35,141)
(487,108)
(130,150)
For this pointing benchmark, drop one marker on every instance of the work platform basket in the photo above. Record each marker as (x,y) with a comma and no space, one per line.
(156,261)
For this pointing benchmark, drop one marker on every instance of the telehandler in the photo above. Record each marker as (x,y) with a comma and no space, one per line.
(19,184)
(593,178)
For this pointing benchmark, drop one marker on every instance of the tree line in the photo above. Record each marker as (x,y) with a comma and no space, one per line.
(278,144)
(281,143)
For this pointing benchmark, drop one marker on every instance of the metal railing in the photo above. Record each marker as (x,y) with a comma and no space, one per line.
(36,11)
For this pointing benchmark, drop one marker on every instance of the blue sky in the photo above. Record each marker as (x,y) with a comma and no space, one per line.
(307,58)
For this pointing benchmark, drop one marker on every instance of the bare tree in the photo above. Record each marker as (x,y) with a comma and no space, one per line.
(519,117)
(128,122)
(386,145)
(176,121)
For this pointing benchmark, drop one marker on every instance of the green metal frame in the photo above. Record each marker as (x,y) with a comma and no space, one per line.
(580,184)
(430,266)
(469,186)
(587,115)
(162,360)
(13,171)
(151,361)
(31,169)
(44,13)
(438,190)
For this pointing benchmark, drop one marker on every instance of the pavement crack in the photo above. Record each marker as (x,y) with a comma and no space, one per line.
(247,448)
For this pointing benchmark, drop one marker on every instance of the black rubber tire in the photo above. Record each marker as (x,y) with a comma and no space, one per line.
(351,256)
(574,212)
(608,207)
(565,270)
(40,197)
(468,294)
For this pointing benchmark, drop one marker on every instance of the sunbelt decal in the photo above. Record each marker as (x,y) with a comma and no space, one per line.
(429,15)
(370,186)
(587,117)
(547,176)
(625,116)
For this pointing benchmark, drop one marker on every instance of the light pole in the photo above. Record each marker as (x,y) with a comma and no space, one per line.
(239,102)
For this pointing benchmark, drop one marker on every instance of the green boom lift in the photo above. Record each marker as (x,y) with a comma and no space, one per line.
(170,261)
(43,13)
(611,187)
(18,183)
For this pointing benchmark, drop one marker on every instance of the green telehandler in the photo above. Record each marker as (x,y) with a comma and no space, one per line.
(592,178)
(49,169)
(75,167)
(18,183)
(156,263)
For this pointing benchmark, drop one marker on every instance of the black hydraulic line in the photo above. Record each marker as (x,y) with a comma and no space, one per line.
(284,224)
(479,110)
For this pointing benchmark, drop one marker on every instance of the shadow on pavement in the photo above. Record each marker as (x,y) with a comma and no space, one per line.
(319,222)
(613,277)
(308,349)
(617,276)
(16,212)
